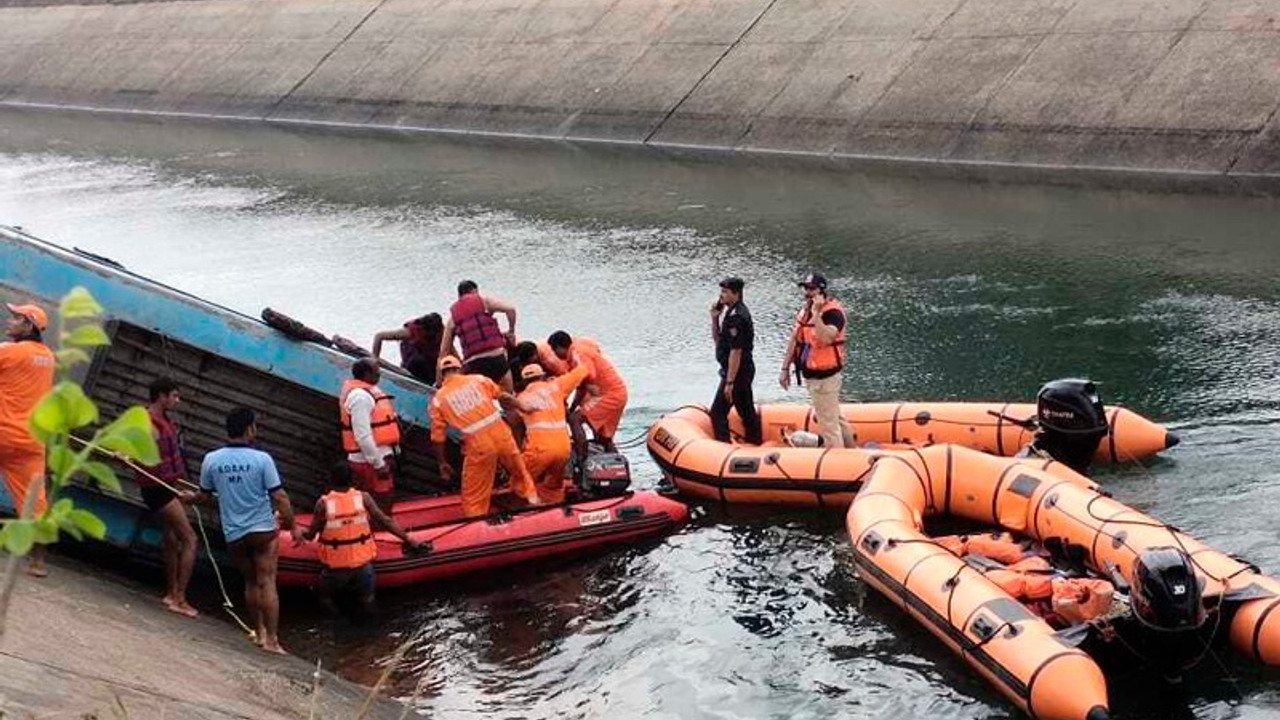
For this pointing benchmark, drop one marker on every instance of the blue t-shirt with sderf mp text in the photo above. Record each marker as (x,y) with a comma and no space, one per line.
(243,479)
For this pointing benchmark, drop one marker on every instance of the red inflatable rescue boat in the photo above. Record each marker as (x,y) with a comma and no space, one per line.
(458,546)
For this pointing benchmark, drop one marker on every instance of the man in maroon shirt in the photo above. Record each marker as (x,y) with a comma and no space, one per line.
(179,538)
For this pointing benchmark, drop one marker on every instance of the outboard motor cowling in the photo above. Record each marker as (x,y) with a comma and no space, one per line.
(1167,628)
(1165,591)
(604,474)
(1071,422)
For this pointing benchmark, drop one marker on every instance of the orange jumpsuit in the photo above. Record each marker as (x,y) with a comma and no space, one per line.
(467,402)
(606,396)
(546,446)
(26,376)
(550,362)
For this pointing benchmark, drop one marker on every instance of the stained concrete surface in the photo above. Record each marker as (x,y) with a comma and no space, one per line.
(1184,86)
(83,645)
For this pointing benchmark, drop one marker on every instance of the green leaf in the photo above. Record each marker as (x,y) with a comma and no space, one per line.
(79,304)
(19,536)
(89,335)
(61,460)
(69,357)
(46,531)
(61,509)
(64,409)
(130,435)
(103,473)
(89,523)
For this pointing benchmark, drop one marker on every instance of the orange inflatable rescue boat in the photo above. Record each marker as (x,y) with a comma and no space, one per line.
(1067,423)
(1128,582)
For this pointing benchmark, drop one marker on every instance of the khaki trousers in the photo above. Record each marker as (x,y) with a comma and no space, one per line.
(824,393)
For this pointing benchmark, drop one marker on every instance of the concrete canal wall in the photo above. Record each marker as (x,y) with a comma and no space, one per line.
(1172,85)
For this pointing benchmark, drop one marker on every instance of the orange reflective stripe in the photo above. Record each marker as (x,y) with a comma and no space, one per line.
(481,424)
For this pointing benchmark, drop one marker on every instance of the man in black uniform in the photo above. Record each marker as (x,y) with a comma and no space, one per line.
(734,338)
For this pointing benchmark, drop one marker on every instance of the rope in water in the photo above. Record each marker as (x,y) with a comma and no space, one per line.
(227,605)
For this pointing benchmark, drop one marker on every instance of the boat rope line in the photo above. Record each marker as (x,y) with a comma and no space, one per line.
(1174,532)
(222,586)
(227,605)
(635,442)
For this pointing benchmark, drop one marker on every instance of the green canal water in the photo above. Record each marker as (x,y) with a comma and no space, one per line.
(956,290)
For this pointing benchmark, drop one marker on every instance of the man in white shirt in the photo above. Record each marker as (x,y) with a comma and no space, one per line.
(370,431)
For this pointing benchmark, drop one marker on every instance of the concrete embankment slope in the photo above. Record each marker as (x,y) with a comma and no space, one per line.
(1180,85)
(80,645)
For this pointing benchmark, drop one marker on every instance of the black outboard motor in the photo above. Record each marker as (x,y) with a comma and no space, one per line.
(1165,592)
(603,474)
(1169,631)
(1071,422)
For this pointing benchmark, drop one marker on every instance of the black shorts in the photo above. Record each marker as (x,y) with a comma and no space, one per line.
(156,496)
(360,580)
(494,367)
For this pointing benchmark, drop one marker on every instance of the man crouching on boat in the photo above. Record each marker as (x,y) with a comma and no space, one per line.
(248,488)
(347,548)
(466,403)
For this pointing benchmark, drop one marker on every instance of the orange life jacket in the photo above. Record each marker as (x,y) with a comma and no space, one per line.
(1022,585)
(384,421)
(465,402)
(1078,600)
(999,546)
(346,541)
(813,354)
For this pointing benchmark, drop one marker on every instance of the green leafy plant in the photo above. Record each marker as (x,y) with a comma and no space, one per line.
(66,413)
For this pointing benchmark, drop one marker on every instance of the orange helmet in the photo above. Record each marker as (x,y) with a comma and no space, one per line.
(449,362)
(531,371)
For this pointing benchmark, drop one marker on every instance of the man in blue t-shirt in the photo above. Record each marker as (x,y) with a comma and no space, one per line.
(249,493)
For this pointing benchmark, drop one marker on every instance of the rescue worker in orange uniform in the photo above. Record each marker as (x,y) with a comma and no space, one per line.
(370,430)
(539,352)
(27,367)
(546,445)
(347,549)
(484,345)
(603,395)
(467,404)
(817,351)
